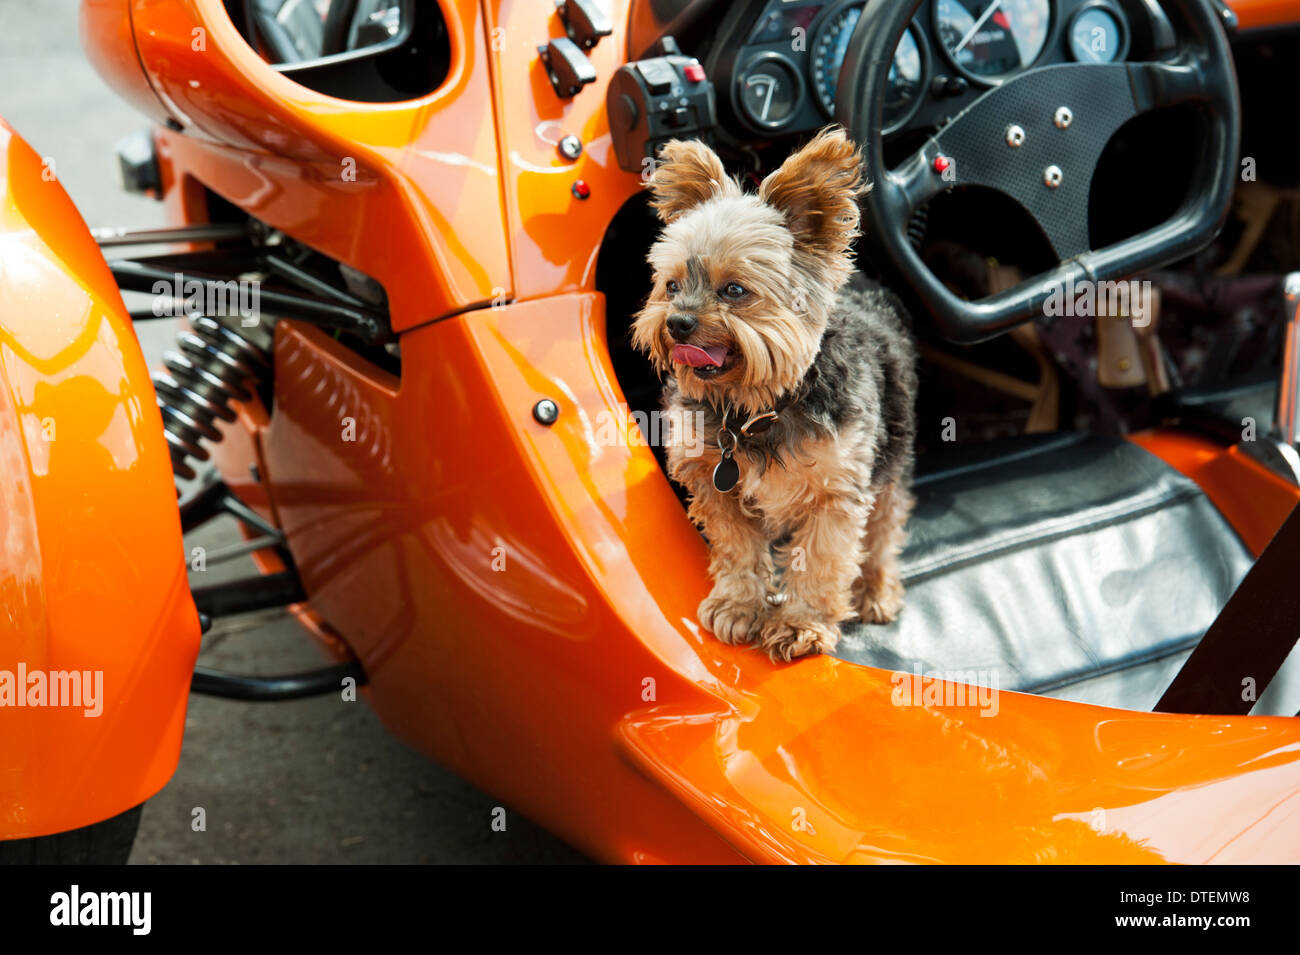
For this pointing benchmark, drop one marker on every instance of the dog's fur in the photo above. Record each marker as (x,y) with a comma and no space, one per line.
(827,487)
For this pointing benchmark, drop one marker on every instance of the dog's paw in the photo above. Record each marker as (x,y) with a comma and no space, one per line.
(730,620)
(882,604)
(785,638)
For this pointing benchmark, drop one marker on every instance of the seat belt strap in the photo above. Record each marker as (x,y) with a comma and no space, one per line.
(1248,642)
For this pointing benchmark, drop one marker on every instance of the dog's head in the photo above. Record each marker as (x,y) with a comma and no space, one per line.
(743,284)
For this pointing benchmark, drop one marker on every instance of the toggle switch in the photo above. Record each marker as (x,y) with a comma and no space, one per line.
(567,66)
(584,21)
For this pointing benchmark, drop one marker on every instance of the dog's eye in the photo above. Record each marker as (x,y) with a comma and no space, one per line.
(673,287)
(734,290)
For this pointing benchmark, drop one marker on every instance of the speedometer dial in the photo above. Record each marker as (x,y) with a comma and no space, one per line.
(992,39)
(905,75)
(829,47)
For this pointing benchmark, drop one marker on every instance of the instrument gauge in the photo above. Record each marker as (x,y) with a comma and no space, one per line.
(904,92)
(1097,35)
(770,91)
(829,47)
(990,40)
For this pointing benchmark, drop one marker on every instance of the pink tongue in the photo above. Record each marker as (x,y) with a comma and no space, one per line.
(698,357)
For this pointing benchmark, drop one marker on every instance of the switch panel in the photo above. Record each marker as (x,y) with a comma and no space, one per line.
(654,100)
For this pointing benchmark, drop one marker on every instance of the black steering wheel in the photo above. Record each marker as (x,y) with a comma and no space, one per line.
(1037,138)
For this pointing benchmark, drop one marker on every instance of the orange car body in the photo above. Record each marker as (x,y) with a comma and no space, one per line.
(523,597)
(92,575)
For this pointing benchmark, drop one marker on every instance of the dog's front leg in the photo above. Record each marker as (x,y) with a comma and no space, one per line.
(740,566)
(740,554)
(821,563)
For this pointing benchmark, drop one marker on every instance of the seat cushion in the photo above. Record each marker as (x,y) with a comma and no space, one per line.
(1070,565)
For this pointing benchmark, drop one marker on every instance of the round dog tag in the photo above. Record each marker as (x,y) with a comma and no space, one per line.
(727,474)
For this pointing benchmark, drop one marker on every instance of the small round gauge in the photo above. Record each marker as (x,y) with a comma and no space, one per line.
(904,91)
(829,47)
(992,39)
(770,91)
(1097,35)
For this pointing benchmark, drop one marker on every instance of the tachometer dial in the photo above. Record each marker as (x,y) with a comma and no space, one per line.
(904,91)
(905,75)
(829,46)
(992,39)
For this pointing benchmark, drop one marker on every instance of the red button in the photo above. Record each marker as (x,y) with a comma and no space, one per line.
(694,72)
(581,189)
(942,164)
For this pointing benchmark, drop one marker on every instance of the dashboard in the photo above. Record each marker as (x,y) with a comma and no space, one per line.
(779,66)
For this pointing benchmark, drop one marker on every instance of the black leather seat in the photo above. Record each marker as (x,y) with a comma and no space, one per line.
(1069,565)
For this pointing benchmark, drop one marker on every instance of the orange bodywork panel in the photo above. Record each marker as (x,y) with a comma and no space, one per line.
(523,599)
(1254,500)
(92,571)
(408,193)
(1257,14)
(554,236)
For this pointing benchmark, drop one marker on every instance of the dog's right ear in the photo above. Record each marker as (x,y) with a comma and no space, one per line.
(687,174)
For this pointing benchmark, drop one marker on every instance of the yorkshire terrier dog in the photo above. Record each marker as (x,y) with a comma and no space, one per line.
(805,374)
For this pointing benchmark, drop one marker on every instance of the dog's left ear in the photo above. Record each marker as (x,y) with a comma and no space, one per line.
(817,189)
(689,173)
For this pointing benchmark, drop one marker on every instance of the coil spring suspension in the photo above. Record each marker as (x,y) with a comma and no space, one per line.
(214,366)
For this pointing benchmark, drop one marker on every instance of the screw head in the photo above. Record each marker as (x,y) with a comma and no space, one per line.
(570,147)
(1015,136)
(1063,118)
(546,411)
(1052,176)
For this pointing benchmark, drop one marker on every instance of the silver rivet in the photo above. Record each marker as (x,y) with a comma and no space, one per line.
(570,147)
(1052,176)
(1063,118)
(546,411)
(1015,136)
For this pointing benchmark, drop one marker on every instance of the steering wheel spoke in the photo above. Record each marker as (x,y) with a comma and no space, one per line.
(918,180)
(1166,83)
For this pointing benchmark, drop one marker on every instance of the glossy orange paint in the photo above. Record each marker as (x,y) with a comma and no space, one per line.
(1254,500)
(408,193)
(1258,14)
(523,597)
(92,573)
(554,236)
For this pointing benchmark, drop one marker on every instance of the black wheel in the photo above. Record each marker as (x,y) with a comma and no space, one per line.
(104,843)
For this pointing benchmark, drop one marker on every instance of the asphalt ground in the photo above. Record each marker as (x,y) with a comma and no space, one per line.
(310,781)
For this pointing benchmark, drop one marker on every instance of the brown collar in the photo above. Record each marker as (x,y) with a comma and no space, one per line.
(749,425)
(726,474)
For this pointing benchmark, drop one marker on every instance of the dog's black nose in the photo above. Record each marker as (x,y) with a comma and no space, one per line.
(681,326)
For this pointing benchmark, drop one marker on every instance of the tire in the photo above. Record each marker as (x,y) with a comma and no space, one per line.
(104,843)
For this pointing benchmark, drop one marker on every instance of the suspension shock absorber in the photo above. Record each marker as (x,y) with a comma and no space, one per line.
(214,366)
